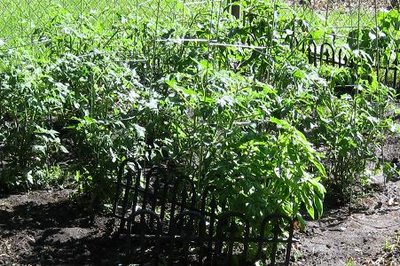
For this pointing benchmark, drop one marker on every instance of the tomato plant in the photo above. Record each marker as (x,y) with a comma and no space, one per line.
(245,112)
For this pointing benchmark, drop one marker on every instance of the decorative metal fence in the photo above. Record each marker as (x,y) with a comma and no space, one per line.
(165,218)
(340,57)
(19,19)
(343,23)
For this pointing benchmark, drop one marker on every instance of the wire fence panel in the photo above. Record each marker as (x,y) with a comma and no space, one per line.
(19,19)
(351,25)
(336,19)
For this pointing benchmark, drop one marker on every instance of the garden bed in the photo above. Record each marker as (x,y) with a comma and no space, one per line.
(358,236)
(248,115)
(50,227)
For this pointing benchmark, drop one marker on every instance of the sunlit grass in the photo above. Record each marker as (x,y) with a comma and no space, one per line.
(337,22)
(18,19)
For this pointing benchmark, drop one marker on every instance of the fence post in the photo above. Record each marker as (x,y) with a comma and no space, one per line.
(235,8)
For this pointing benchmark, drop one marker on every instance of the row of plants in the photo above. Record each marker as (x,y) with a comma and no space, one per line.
(261,124)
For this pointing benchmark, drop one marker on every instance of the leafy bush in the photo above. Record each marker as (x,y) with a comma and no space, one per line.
(261,124)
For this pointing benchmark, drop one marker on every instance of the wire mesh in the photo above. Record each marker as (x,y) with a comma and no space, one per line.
(19,19)
(333,24)
(336,18)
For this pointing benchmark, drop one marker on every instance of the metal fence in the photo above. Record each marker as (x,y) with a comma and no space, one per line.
(341,16)
(342,23)
(326,53)
(165,217)
(20,18)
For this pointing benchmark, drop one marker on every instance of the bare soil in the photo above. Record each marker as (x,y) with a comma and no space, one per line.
(361,233)
(356,233)
(50,227)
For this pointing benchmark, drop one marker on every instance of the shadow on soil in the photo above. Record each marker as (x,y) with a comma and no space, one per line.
(57,233)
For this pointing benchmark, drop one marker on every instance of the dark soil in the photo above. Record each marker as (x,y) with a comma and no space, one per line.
(51,228)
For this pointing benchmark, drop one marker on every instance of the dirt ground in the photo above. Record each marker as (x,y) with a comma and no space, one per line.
(51,228)
(357,234)
(362,233)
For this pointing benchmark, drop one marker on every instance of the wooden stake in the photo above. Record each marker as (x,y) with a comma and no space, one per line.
(235,9)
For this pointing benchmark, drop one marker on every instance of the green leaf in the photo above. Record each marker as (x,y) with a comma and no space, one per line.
(318,206)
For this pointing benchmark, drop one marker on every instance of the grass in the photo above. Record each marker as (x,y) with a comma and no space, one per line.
(391,251)
(18,19)
(337,22)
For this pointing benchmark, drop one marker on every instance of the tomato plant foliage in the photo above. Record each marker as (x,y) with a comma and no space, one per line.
(261,124)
